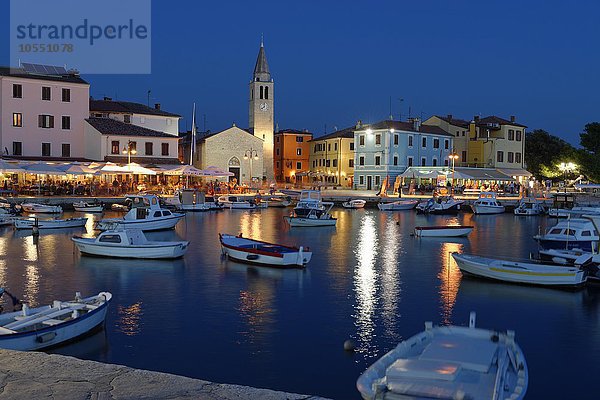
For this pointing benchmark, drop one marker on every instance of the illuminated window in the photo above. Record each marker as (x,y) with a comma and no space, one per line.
(17,120)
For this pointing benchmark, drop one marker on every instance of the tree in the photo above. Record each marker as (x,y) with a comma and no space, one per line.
(544,152)
(589,155)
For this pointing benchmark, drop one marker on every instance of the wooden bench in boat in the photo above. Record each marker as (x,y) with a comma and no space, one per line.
(52,313)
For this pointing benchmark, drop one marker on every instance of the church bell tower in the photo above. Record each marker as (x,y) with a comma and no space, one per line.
(261,110)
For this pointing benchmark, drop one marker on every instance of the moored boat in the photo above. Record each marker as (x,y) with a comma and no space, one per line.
(41,208)
(146,215)
(449,362)
(487,204)
(278,201)
(129,243)
(48,326)
(258,252)
(569,234)
(440,205)
(443,231)
(398,205)
(529,206)
(520,272)
(315,217)
(310,202)
(30,223)
(355,203)
(84,206)
(234,202)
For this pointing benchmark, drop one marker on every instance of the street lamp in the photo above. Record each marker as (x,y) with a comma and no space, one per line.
(453,157)
(249,155)
(566,168)
(129,150)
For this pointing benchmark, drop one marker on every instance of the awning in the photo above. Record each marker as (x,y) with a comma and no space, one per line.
(515,171)
(484,174)
(427,172)
(42,169)
(132,168)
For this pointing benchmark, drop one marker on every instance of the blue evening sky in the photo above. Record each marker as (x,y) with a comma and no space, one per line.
(337,62)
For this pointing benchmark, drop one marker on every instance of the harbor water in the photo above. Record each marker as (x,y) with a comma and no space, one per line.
(369,280)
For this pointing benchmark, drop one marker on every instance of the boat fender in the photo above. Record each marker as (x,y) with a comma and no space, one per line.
(46,337)
(252,257)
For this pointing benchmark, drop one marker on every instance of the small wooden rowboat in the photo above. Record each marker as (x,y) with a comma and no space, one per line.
(257,252)
(30,223)
(442,231)
(83,206)
(48,326)
(41,208)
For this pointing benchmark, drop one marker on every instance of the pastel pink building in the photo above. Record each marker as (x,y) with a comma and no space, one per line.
(42,116)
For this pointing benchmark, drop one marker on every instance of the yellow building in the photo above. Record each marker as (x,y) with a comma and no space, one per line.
(332,157)
(490,142)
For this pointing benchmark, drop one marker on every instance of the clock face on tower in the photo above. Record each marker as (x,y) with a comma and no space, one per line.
(263,107)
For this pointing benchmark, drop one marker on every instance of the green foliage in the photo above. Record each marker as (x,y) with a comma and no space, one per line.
(589,156)
(544,152)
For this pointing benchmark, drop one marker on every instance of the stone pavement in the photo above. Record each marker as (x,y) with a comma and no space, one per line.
(36,375)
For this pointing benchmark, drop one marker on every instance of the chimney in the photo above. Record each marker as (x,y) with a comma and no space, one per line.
(157,106)
(416,124)
(449,117)
(107,98)
(512,118)
(358,124)
(476,118)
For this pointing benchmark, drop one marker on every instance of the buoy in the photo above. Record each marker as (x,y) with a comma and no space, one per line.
(349,345)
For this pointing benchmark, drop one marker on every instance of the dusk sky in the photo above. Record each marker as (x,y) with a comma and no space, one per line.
(334,63)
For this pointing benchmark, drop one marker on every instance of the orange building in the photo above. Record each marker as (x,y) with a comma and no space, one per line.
(292,150)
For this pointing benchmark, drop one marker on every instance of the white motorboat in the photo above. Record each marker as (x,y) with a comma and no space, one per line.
(84,206)
(355,203)
(41,208)
(573,233)
(257,252)
(146,215)
(314,217)
(310,202)
(487,204)
(520,272)
(449,362)
(192,200)
(129,243)
(233,202)
(30,223)
(576,211)
(443,231)
(48,326)
(398,205)
(119,207)
(440,205)
(278,201)
(529,206)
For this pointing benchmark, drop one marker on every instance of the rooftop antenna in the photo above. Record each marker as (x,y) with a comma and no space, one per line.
(262,41)
(149,92)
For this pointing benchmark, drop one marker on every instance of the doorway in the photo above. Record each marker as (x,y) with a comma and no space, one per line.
(369,182)
(236,174)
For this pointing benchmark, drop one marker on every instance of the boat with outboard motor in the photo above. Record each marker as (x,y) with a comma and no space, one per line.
(398,205)
(314,217)
(439,205)
(487,204)
(48,326)
(258,252)
(146,215)
(449,362)
(310,202)
(443,231)
(354,204)
(242,202)
(529,206)
(89,207)
(41,208)
(31,223)
(129,243)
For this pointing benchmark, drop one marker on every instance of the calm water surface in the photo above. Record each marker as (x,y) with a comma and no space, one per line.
(369,280)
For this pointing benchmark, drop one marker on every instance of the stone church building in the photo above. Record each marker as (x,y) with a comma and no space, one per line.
(247,153)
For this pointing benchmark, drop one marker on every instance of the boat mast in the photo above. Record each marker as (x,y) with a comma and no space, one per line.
(193,142)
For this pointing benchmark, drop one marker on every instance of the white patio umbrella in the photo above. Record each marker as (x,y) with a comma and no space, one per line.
(215,171)
(10,168)
(185,170)
(43,169)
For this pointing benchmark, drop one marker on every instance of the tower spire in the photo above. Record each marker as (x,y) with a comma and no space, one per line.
(261,69)
(262,40)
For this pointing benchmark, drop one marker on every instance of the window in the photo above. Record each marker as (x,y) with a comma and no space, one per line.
(66,95)
(127,118)
(46,121)
(114,147)
(436,143)
(410,161)
(518,135)
(361,160)
(410,141)
(351,163)
(586,233)
(149,149)
(518,158)
(361,140)
(396,136)
(511,156)
(314,163)
(45,149)
(463,156)
(500,156)
(299,165)
(298,151)
(335,146)
(166,213)
(424,142)
(511,134)
(377,180)
(157,214)
(361,180)
(17,120)
(277,152)
(66,122)
(132,147)
(266,93)
(315,148)
(66,150)
(446,162)
(299,139)
(395,160)
(110,238)
(335,163)
(423,161)
(377,160)
(457,133)
(17,91)
(262,91)
(17,148)
(164,149)
(328,163)
(446,144)
(434,162)
(320,162)
(378,139)
(329,147)
(351,146)
(46,93)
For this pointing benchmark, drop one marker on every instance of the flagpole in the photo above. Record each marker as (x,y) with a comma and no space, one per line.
(193,142)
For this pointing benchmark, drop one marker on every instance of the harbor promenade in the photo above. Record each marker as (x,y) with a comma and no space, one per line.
(36,375)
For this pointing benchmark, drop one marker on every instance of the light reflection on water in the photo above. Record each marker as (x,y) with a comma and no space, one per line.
(450,277)
(129,322)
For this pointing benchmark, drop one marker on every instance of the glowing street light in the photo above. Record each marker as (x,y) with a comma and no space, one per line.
(453,157)
(129,150)
(567,168)
(251,154)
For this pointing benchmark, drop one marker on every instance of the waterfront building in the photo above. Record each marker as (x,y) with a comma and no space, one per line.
(42,114)
(332,157)
(292,154)
(388,148)
(489,142)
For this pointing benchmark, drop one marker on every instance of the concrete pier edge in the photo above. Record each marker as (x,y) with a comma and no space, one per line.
(36,375)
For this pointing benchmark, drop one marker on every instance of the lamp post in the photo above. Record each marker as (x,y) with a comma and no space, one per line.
(129,150)
(453,157)
(566,168)
(251,154)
